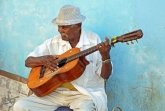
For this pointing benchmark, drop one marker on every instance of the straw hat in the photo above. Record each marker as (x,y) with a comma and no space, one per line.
(69,15)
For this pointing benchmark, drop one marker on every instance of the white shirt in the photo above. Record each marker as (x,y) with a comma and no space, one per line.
(90,82)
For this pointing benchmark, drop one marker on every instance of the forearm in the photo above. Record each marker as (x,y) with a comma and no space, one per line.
(106,66)
(34,62)
(106,69)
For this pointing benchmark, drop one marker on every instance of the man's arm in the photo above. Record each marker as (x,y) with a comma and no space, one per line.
(104,49)
(106,69)
(47,60)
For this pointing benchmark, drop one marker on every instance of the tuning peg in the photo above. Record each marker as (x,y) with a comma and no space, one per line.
(132,42)
(137,41)
(127,43)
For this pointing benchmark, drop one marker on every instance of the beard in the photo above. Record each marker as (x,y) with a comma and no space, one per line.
(65,37)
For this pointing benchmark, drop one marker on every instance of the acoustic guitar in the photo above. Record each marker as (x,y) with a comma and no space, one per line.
(72,64)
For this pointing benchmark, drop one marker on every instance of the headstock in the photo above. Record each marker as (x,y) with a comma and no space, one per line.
(134,35)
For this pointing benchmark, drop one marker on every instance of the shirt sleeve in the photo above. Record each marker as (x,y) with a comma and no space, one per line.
(41,50)
(98,59)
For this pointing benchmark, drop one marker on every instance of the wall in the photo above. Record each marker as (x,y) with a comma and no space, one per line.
(137,83)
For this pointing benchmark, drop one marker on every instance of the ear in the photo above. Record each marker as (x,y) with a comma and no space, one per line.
(78,27)
(80,24)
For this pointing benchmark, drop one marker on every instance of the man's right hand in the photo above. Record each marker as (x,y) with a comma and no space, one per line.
(48,60)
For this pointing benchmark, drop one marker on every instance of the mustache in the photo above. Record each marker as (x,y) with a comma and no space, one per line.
(65,36)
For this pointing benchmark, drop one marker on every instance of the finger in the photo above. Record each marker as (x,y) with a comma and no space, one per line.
(107,41)
(104,45)
(49,56)
(52,69)
(54,62)
(55,66)
(55,57)
(101,44)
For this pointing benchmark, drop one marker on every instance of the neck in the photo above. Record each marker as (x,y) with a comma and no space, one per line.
(75,41)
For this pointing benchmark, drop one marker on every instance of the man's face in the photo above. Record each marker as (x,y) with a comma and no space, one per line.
(69,32)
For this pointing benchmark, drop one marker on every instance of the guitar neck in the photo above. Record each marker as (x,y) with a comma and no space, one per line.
(82,53)
(90,50)
(134,35)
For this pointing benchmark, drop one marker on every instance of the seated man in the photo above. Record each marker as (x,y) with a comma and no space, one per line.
(86,93)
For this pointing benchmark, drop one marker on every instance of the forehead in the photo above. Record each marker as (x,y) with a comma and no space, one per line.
(68,26)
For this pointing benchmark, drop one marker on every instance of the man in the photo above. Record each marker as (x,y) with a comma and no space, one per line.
(85,93)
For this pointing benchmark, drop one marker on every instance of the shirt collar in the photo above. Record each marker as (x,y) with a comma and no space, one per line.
(83,40)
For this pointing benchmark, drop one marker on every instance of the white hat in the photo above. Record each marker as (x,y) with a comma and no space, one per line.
(69,15)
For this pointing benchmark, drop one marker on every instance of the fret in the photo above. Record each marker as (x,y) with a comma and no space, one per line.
(82,53)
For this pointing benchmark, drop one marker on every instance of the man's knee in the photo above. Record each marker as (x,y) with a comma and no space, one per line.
(83,106)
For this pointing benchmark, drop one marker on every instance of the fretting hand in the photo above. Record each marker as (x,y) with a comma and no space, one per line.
(104,49)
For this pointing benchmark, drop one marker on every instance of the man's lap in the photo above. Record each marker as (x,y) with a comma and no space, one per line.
(54,101)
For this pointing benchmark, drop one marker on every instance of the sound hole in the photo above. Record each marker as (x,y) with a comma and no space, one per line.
(62,62)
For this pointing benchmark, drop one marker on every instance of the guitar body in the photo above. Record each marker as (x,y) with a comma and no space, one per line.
(46,84)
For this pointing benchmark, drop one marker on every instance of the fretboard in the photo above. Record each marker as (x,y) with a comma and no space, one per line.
(82,53)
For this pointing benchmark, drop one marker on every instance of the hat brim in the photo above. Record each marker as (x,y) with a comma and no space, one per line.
(58,21)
